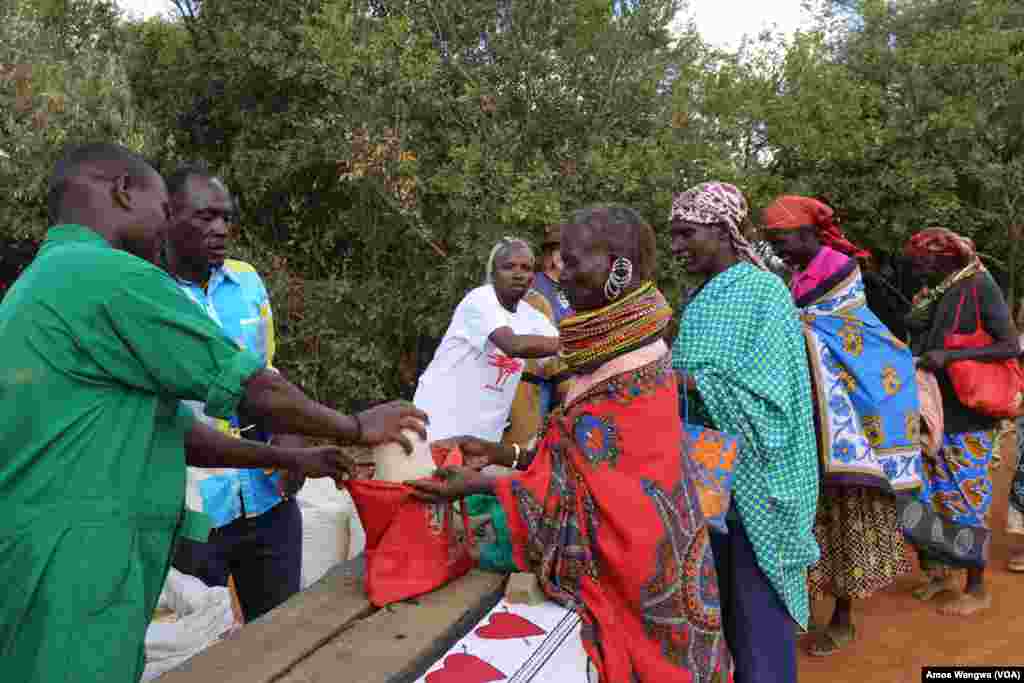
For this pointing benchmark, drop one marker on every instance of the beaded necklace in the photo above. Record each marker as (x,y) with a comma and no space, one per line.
(595,337)
(925,300)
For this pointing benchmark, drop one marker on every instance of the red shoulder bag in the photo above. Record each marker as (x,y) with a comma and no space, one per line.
(994,388)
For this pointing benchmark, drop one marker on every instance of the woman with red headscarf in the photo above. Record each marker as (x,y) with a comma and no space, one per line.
(866,412)
(957,493)
(805,234)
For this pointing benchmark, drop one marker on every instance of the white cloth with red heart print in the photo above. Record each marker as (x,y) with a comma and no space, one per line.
(518,644)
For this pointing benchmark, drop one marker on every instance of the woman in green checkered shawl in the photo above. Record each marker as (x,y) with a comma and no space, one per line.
(741,352)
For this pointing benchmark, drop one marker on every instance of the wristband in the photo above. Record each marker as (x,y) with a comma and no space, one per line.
(515,460)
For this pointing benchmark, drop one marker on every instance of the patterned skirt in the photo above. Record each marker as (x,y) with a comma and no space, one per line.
(862,546)
(958,487)
(958,483)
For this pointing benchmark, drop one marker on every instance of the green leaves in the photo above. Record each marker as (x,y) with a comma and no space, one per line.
(61,80)
(379,149)
(901,120)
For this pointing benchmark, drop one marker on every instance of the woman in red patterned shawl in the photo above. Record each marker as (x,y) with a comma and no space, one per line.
(604,511)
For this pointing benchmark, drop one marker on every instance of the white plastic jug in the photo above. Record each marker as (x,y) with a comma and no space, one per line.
(395,465)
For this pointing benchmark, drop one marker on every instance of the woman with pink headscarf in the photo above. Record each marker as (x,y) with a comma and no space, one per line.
(866,413)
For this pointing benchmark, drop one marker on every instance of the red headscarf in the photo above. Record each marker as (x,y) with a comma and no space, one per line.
(942,242)
(790,212)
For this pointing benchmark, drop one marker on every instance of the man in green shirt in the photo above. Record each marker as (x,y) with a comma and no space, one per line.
(99,346)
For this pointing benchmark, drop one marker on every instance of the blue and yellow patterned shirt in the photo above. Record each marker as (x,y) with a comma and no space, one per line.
(237,299)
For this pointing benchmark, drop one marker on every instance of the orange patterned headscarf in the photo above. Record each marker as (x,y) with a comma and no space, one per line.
(790,212)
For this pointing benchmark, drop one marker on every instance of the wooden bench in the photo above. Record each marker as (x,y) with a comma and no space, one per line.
(330,632)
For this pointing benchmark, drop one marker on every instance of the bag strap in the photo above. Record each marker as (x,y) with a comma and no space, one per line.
(959,309)
(977,308)
(686,399)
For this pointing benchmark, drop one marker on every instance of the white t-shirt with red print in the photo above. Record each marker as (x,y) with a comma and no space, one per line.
(469,385)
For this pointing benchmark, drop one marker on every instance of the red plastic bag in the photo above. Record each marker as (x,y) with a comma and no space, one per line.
(994,388)
(412,547)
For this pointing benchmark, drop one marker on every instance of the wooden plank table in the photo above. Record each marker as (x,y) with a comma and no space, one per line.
(330,632)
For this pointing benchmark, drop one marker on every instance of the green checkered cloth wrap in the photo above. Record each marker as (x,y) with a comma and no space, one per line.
(741,340)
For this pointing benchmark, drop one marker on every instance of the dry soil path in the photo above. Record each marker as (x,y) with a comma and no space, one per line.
(898,635)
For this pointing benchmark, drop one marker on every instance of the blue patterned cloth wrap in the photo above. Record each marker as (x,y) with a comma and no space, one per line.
(865,392)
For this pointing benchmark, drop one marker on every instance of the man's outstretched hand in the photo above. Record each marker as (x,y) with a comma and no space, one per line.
(322,461)
(384,423)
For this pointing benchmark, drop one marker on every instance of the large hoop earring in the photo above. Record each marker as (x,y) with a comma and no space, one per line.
(619,278)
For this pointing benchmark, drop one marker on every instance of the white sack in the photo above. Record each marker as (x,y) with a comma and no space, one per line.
(203,615)
(331,532)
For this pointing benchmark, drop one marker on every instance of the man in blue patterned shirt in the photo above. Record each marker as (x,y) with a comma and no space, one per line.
(257,535)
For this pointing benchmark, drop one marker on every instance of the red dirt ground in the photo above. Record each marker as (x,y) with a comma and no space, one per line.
(898,635)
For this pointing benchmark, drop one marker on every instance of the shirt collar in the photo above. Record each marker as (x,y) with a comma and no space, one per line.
(225,272)
(216,274)
(72,232)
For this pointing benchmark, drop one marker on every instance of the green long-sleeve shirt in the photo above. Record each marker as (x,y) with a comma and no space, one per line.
(97,347)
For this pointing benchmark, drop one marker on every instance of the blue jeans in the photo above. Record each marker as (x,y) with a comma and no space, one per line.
(263,553)
(757,626)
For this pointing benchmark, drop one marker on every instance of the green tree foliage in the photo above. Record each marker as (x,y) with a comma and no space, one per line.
(61,79)
(901,114)
(379,148)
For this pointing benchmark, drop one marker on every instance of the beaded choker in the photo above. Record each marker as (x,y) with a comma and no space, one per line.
(593,338)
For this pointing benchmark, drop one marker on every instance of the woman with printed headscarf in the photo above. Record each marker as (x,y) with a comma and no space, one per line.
(469,385)
(957,491)
(867,413)
(741,356)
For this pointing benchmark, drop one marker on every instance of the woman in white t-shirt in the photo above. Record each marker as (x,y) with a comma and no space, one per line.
(467,389)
